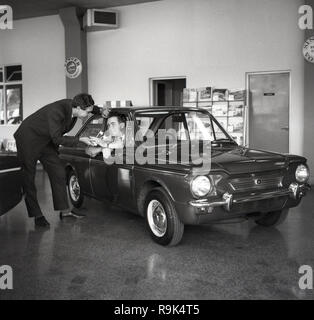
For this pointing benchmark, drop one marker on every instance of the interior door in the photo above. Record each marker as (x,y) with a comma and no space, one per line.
(168,92)
(163,93)
(269,111)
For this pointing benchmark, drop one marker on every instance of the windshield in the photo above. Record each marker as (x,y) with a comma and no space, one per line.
(202,127)
(193,125)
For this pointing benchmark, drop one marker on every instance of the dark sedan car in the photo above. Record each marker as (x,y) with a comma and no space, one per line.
(196,175)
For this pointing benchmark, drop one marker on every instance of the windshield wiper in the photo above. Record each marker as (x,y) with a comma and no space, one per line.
(222,140)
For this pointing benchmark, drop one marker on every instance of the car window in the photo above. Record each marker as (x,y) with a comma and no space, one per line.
(93,127)
(218,132)
(144,123)
(199,125)
(147,120)
(175,121)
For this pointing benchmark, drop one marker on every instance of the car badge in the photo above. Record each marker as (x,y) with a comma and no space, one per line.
(258,181)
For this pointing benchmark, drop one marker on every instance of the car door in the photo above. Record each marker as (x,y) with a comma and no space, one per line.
(112,181)
(78,158)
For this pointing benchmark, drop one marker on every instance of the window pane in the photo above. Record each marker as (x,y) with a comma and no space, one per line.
(144,124)
(93,128)
(218,132)
(175,122)
(1,75)
(14,104)
(199,125)
(13,73)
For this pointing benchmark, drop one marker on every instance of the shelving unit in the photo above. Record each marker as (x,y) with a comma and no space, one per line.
(229,112)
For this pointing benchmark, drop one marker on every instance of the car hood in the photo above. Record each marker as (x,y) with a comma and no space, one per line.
(236,159)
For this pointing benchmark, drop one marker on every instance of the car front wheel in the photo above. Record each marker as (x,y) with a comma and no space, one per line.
(163,222)
(272,219)
(74,189)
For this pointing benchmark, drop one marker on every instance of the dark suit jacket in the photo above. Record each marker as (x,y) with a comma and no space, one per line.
(46,127)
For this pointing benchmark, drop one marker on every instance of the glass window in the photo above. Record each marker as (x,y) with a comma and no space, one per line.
(13,73)
(199,125)
(218,132)
(93,128)
(14,104)
(11,94)
(175,122)
(144,123)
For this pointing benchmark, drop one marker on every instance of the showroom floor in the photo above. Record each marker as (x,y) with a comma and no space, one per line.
(109,255)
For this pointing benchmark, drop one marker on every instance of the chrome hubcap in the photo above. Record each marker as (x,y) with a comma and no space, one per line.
(74,188)
(157,218)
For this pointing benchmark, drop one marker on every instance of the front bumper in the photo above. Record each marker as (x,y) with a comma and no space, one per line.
(295,192)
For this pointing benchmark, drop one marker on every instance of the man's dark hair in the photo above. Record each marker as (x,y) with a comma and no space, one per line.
(82,100)
(121,117)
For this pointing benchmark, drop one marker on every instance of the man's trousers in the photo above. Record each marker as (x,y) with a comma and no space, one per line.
(53,166)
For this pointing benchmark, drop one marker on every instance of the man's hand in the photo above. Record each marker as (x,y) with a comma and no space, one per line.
(86,140)
(98,141)
(93,151)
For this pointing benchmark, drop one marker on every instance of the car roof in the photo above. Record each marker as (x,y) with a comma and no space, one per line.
(155,109)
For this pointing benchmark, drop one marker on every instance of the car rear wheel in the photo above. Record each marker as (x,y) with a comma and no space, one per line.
(272,219)
(74,189)
(163,222)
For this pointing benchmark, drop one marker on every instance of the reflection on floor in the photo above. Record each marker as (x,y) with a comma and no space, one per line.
(109,255)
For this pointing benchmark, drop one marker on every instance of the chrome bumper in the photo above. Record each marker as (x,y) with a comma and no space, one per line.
(295,191)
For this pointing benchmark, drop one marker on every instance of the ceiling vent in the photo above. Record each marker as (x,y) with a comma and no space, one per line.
(100,19)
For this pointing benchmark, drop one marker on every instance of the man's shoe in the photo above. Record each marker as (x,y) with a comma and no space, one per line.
(73,213)
(41,222)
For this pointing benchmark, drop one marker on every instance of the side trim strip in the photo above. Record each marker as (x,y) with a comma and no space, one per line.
(10,170)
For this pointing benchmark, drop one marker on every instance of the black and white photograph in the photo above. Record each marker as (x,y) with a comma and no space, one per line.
(157,154)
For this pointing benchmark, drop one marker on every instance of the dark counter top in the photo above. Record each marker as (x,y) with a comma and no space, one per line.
(8,160)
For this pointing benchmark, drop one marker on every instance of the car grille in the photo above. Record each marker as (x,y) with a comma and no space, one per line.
(256,182)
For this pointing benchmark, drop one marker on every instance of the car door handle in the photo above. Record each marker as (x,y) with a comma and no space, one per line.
(285,128)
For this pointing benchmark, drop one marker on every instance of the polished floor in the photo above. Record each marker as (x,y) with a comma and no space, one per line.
(109,255)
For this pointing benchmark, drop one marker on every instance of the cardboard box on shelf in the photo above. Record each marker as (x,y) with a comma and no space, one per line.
(190,95)
(236,94)
(220,94)
(204,94)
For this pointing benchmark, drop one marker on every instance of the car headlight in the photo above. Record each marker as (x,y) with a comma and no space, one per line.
(201,186)
(302,173)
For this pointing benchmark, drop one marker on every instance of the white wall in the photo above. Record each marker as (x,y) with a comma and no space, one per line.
(37,44)
(211,42)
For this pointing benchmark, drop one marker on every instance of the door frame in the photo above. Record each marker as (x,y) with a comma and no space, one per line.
(247,113)
(151,86)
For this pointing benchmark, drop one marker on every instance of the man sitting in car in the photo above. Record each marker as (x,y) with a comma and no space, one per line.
(113,138)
